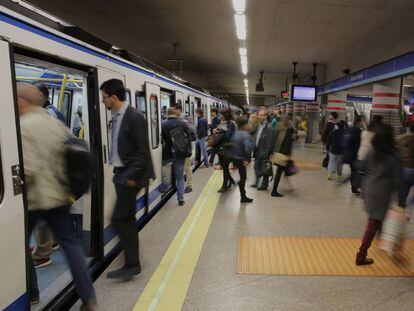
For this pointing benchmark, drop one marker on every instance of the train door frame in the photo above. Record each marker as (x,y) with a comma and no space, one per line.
(179,98)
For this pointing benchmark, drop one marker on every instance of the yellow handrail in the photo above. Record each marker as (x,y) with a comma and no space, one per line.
(62,92)
(47,79)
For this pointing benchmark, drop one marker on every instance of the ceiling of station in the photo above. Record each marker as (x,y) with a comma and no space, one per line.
(337,34)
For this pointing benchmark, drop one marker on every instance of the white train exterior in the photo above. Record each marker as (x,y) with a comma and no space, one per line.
(26,42)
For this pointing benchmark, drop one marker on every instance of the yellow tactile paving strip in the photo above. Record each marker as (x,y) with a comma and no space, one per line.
(317,256)
(307,165)
(168,286)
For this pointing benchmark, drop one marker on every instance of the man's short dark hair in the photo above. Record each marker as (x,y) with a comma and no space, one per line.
(200,111)
(334,115)
(179,107)
(114,87)
(357,120)
(215,110)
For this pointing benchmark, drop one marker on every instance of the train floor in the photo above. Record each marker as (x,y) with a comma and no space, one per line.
(189,254)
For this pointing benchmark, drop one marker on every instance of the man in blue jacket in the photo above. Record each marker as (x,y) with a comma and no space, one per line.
(202,133)
(214,124)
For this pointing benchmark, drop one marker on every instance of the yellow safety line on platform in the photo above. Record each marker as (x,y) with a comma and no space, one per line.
(168,286)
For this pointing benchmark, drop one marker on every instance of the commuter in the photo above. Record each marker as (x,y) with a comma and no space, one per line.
(241,151)
(264,137)
(302,131)
(352,141)
(275,121)
(334,146)
(170,154)
(382,167)
(43,141)
(51,110)
(406,147)
(366,137)
(78,123)
(228,127)
(202,133)
(164,113)
(282,146)
(43,235)
(329,127)
(187,164)
(131,158)
(214,124)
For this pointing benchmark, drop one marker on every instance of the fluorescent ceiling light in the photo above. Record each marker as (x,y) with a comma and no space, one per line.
(246,83)
(408,85)
(244,68)
(239,5)
(240,20)
(243,59)
(243,52)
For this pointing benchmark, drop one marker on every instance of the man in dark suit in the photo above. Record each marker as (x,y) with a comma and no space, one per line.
(130,155)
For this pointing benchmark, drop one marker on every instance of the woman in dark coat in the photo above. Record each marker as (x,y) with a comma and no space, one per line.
(382,179)
(283,145)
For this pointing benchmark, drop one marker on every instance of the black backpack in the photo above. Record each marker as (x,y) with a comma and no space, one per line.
(181,143)
(78,166)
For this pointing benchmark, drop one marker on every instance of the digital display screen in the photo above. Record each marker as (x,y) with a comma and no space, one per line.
(284,95)
(303,93)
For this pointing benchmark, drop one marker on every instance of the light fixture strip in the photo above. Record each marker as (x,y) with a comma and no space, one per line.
(240,20)
(239,5)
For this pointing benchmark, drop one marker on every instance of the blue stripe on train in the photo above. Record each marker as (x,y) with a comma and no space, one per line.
(19,304)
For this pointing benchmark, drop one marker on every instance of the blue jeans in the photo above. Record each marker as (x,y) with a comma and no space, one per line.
(178,166)
(58,220)
(201,144)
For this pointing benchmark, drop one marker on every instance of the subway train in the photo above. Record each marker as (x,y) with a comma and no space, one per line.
(73,71)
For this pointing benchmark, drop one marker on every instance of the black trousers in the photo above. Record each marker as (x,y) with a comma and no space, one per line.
(227,179)
(243,176)
(355,179)
(124,222)
(278,175)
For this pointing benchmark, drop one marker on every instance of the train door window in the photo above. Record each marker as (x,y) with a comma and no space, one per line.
(68,95)
(166,103)
(198,101)
(1,179)
(192,110)
(179,102)
(187,108)
(141,104)
(155,134)
(128,97)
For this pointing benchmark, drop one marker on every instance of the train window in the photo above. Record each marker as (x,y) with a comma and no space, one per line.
(187,108)
(166,102)
(192,110)
(155,134)
(128,97)
(179,102)
(141,104)
(1,180)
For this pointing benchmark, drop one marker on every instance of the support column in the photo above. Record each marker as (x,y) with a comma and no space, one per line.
(337,103)
(386,102)
(298,109)
(312,115)
(289,109)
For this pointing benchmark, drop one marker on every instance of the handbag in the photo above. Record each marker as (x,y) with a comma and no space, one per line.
(216,139)
(393,231)
(279,159)
(290,169)
(265,169)
(325,161)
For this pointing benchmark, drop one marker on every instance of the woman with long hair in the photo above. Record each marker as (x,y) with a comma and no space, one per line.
(283,146)
(228,126)
(382,167)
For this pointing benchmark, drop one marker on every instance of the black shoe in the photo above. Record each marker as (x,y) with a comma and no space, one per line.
(188,190)
(364,262)
(34,299)
(261,188)
(355,191)
(124,274)
(246,200)
(276,194)
(232,183)
(181,203)
(253,186)
(223,189)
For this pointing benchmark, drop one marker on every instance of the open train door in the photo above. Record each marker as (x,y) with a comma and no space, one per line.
(12,215)
(179,99)
(152,97)
(193,108)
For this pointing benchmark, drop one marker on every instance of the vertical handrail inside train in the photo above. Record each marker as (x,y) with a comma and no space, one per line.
(62,92)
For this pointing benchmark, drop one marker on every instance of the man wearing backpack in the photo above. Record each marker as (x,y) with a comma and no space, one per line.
(131,158)
(44,137)
(177,147)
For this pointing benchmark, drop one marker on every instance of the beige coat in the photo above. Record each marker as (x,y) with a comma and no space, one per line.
(43,139)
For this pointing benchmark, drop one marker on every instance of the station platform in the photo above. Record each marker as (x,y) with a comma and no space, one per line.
(189,254)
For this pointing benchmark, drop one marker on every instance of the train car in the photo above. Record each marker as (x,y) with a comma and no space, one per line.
(73,71)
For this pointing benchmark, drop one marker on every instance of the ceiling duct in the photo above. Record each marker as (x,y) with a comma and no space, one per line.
(259,85)
(175,62)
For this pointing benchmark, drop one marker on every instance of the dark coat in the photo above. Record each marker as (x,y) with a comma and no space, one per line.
(167,126)
(202,127)
(287,143)
(382,178)
(353,141)
(329,127)
(334,143)
(134,147)
(215,123)
(267,140)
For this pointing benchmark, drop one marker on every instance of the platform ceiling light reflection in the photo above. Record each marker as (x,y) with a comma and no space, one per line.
(240,20)
(239,5)
(246,83)
(243,52)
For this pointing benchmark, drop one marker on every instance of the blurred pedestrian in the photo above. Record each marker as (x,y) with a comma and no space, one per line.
(334,146)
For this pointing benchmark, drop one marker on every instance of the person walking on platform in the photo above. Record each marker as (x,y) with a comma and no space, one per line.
(366,137)
(131,158)
(352,141)
(329,127)
(382,167)
(202,133)
(264,137)
(241,152)
(214,124)
(334,146)
(228,127)
(282,148)
(405,145)
(48,199)
(188,170)
(175,131)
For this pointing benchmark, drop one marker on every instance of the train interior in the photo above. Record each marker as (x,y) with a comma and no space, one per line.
(68,94)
